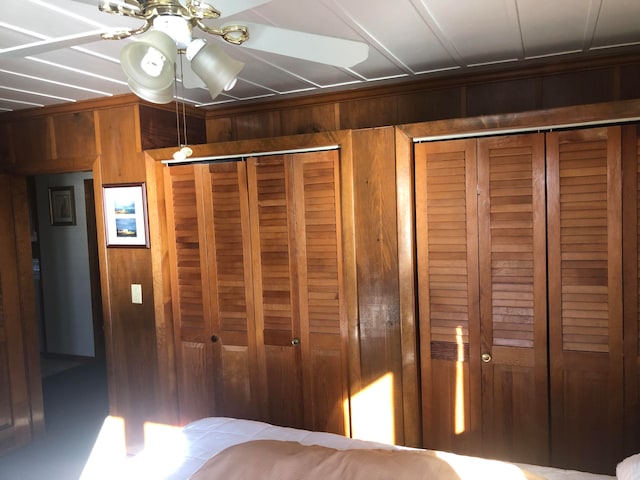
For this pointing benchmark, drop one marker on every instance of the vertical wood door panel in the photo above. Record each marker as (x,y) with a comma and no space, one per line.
(323,326)
(446,230)
(585,297)
(231,290)
(513,309)
(273,255)
(189,292)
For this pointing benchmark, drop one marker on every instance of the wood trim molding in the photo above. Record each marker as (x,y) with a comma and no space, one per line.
(256,146)
(582,115)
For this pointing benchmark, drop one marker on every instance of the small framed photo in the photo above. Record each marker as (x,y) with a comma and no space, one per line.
(125,215)
(62,206)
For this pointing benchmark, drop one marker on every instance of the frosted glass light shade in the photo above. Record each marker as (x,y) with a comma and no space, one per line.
(152,95)
(216,69)
(148,61)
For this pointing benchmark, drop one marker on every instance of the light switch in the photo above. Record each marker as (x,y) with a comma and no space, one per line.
(136,293)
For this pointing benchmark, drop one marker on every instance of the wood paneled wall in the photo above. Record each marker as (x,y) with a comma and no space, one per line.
(468,93)
(107,137)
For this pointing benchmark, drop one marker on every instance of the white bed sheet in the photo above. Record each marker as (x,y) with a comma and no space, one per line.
(179,457)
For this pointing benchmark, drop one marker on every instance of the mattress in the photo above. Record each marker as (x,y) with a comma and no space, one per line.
(179,456)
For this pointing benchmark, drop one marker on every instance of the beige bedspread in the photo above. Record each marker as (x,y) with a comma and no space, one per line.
(283,460)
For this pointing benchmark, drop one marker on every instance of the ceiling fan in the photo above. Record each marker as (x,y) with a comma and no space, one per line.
(168,30)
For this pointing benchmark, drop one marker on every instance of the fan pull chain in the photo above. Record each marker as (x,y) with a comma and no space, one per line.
(184,115)
(175,93)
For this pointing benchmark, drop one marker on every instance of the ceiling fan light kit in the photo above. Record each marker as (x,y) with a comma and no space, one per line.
(217,69)
(153,95)
(149,62)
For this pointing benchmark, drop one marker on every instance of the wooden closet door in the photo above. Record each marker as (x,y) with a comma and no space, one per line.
(275,293)
(212,291)
(294,205)
(513,307)
(447,252)
(319,279)
(230,283)
(189,292)
(585,297)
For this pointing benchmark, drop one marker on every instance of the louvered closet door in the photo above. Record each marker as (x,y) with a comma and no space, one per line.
(275,291)
(232,329)
(585,297)
(190,303)
(212,291)
(298,283)
(323,326)
(513,309)
(447,250)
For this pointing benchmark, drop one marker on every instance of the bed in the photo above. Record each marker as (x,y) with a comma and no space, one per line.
(211,448)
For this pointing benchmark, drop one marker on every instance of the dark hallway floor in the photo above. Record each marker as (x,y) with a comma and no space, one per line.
(76,404)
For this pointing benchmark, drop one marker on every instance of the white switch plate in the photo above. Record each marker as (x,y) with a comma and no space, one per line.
(136,293)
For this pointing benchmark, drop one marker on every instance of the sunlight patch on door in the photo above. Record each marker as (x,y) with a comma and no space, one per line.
(372,411)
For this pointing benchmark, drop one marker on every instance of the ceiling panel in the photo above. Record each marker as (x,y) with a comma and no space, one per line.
(568,29)
(406,39)
(101,85)
(480,32)
(618,23)
(398,45)
(44,87)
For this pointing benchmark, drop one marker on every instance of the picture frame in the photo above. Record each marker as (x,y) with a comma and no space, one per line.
(62,206)
(125,215)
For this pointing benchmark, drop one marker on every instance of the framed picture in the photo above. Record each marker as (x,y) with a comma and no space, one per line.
(62,206)
(125,215)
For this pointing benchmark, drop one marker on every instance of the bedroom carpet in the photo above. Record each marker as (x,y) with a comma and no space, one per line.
(75,403)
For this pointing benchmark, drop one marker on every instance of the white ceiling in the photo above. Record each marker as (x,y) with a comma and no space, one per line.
(406,38)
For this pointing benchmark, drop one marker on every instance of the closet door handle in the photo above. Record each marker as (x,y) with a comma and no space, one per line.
(486,357)
(295,341)
(214,338)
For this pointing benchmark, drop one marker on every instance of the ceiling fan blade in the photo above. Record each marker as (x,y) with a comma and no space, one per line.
(42,46)
(231,7)
(307,46)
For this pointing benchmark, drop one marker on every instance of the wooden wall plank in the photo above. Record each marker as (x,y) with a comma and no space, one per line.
(503,97)
(576,88)
(74,135)
(405,177)
(631,269)
(160,127)
(257,125)
(310,119)
(377,263)
(129,328)
(19,406)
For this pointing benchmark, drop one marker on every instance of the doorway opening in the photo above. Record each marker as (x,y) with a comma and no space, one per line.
(67,289)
